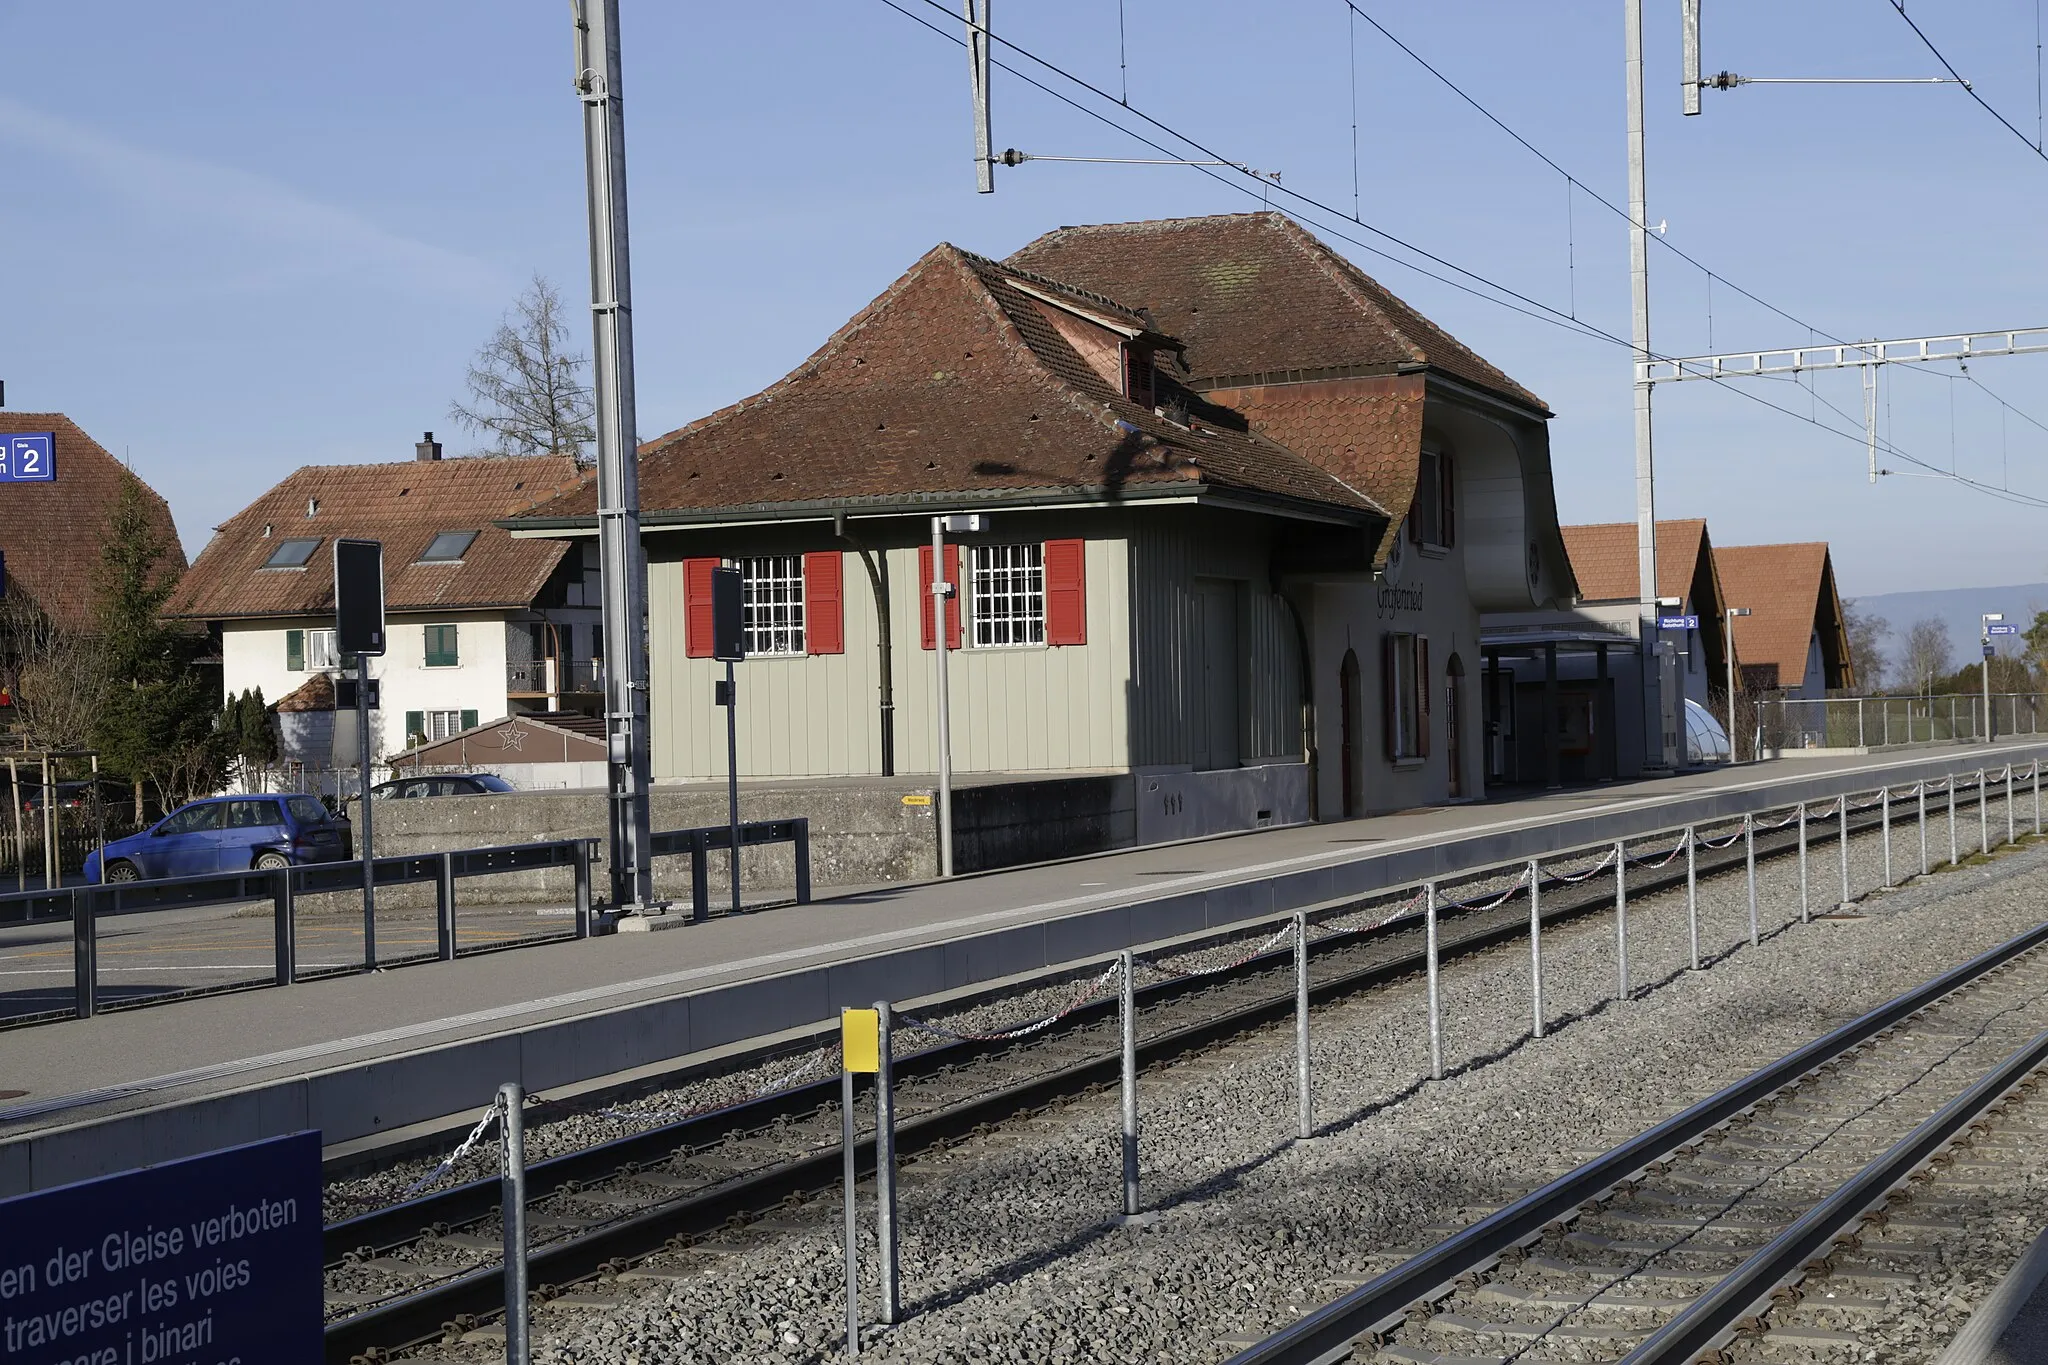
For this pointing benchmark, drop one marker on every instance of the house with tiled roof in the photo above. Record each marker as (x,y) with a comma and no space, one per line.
(480,623)
(1581,666)
(1241,509)
(51,531)
(1794,642)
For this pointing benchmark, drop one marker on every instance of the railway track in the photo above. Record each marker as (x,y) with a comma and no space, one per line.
(1822,1178)
(417,1271)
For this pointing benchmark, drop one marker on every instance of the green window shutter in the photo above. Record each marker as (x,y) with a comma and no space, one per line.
(415,727)
(295,650)
(469,720)
(441,647)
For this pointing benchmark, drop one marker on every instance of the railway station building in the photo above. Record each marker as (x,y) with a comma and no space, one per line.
(1241,509)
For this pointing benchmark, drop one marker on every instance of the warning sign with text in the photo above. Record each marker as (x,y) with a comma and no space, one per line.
(214,1260)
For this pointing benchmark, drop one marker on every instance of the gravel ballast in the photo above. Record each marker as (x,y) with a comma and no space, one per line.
(1009,1252)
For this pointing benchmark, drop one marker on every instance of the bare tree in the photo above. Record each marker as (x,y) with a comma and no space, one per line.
(1928,653)
(1866,632)
(526,390)
(62,676)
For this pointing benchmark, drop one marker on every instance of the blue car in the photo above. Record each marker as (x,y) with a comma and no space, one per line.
(226,834)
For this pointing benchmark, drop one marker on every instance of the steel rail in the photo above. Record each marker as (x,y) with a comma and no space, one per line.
(1328,1333)
(1715,1317)
(408,1319)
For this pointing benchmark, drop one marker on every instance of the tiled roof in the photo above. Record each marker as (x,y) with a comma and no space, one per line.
(1604,558)
(958,384)
(1256,295)
(52,532)
(405,505)
(314,694)
(1790,592)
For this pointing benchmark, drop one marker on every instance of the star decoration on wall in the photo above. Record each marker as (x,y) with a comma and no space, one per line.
(512,737)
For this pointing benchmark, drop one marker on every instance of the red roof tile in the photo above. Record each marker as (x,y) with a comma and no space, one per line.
(1604,558)
(960,382)
(405,505)
(52,532)
(1790,592)
(1256,295)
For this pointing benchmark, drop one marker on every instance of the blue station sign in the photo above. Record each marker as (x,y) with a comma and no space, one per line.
(28,456)
(211,1260)
(2003,630)
(1678,623)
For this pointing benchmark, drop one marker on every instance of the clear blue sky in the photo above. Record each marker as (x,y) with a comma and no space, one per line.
(244,237)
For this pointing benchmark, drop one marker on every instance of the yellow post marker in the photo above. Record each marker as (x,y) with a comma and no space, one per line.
(860,1048)
(860,1040)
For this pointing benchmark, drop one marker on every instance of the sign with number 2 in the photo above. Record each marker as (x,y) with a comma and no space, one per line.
(28,457)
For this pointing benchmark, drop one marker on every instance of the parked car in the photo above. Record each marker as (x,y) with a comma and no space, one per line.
(226,834)
(441,784)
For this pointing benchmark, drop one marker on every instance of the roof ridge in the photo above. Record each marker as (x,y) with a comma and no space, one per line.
(1035,278)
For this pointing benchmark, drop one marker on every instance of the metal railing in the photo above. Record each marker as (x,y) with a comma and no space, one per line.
(1878,722)
(698,843)
(551,677)
(87,906)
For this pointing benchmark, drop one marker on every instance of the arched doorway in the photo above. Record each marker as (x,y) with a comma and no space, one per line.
(1454,722)
(1349,720)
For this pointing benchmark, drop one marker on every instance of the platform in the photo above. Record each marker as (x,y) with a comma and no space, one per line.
(359,1055)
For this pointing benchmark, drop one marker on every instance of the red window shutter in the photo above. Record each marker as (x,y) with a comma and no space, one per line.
(1389,683)
(1066,592)
(1423,688)
(924,608)
(824,603)
(697,607)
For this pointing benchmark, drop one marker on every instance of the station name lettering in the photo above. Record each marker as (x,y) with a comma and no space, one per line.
(165,1316)
(1394,598)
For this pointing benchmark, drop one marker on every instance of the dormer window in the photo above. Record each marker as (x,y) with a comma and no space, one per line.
(291,554)
(1433,521)
(448,547)
(1138,386)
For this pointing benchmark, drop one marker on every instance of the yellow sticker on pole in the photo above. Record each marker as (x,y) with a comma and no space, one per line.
(918,799)
(860,1040)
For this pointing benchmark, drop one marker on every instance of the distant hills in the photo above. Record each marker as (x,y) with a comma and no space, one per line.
(1959,609)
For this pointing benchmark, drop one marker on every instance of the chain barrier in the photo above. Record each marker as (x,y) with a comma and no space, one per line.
(1280,935)
(1583,874)
(1664,861)
(1779,824)
(1728,842)
(782,1082)
(1513,889)
(468,1145)
(1082,996)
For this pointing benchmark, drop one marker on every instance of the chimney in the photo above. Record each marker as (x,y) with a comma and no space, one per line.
(427,448)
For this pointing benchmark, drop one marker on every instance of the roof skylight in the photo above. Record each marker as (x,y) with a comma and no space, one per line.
(447,547)
(292,554)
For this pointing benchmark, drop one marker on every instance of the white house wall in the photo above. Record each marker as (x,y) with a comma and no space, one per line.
(253,656)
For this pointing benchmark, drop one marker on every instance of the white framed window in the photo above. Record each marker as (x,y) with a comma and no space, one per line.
(1006,596)
(772,604)
(1407,696)
(441,724)
(320,651)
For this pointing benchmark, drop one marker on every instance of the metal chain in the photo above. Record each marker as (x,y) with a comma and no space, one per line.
(476,1135)
(1087,992)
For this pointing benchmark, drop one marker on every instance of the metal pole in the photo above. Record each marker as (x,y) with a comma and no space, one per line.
(1728,653)
(444,905)
(1535,949)
(1805,907)
(284,927)
(2011,835)
(1843,839)
(1127,1014)
(1436,1031)
(1920,797)
(1749,863)
(512,1206)
(978,45)
(1884,711)
(1304,1097)
(1692,896)
(1884,803)
(732,779)
(941,590)
(622,561)
(1639,326)
(2036,765)
(1621,919)
(885,1164)
(21,834)
(1861,742)
(1983,814)
(368,850)
(847,1178)
(1953,857)
(85,951)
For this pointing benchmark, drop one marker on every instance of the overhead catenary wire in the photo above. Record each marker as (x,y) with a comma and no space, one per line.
(1467,281)
(2031,144)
